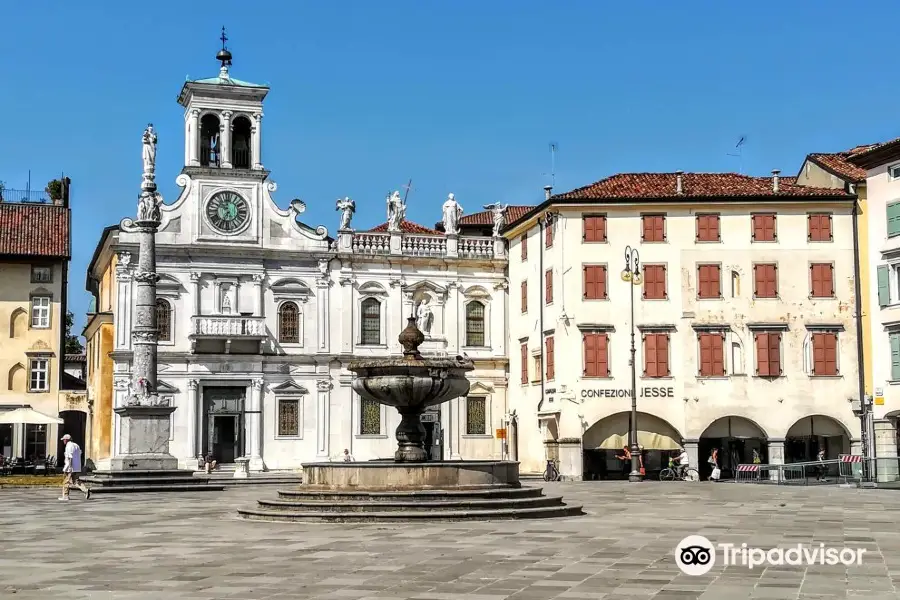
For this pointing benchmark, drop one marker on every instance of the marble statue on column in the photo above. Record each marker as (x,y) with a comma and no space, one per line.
(498,213)
(396,211)
(347,208)
(452,213)
(148,153)
(423,317)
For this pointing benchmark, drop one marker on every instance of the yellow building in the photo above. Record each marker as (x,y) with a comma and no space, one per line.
(98,332)
(35,247)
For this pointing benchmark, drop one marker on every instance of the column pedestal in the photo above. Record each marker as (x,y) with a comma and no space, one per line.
(692,447)
(571,459)
(776,455)
(887,468)
(144,439)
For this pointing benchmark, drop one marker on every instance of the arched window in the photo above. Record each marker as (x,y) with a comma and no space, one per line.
(209,140)
(289,323)
(371,322)
(240,143)
(164,320)
(475,324)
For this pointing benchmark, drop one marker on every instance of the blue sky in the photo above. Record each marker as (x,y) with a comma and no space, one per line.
(460,96)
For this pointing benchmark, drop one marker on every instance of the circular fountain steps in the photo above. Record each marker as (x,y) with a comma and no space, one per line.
(345,506)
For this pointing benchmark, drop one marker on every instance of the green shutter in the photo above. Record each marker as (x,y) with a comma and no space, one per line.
(893,219)
(884,286)
(895,356)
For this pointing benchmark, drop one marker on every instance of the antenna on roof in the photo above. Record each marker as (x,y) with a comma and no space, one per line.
(553,148)
(740,153)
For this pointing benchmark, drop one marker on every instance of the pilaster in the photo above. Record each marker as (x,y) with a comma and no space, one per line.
(323,326)
(194,140)
(225,139)
(255,132)
(347,333)
(255,426)
(323,417)
(195,291)
(260,308)
(451,326)
(397,300)
(191,408)
(498,323)
(122,316)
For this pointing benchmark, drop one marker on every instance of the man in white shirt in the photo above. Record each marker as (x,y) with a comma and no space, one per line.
(72,469)
(682,461)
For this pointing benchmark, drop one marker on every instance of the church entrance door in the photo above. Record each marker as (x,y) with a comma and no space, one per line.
(223,422)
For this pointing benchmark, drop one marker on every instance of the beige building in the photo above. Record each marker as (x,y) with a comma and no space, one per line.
(744,322)
(35,247)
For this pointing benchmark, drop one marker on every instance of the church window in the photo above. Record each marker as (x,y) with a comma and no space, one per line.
(369,417)
(476,416)
(164,320)
(288,417)
(240,143)
(289,323)
(475,324)
(209,140)
(371,322)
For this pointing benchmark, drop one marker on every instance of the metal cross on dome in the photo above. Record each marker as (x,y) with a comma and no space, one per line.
(224,37)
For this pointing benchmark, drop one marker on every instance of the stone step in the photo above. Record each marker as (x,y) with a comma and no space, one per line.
(120,481)
(141,473)
(411,505)
(134,489)
(306,494)
(417,515)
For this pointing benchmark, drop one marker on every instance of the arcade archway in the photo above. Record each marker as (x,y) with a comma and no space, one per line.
(602,443)
(805,437)
(738,440)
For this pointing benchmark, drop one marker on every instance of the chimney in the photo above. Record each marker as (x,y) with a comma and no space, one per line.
(775,173)
(679,182)
(547,190)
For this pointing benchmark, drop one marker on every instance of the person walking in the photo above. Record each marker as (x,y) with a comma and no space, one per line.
(714,463)
(72,469)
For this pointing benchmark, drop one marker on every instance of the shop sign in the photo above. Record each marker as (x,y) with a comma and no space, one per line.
(500,434)
(642,392)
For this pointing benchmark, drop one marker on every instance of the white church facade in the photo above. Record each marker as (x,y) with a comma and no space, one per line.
(260,314)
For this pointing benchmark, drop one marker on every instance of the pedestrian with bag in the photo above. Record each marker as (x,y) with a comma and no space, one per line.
(714,462)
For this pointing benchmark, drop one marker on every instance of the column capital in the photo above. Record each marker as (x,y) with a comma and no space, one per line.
(258,278)
(258,384)
(226,114)
(193,385)
(195,113)
(323,385)
(195,276)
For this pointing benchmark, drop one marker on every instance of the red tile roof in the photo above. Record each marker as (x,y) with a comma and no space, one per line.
(34,230)
(864,154)
(838,163)
(407,227)
(628,186)
(486,218)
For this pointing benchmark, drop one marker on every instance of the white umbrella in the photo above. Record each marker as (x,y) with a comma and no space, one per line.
(28,416)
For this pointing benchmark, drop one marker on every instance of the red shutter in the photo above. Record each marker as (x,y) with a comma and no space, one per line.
(524,296)
(524,352)
(715,285)
(762,354)
(600,279)
(701,281)
(660,282)
(587,275)
(813,232)
(550,364)
(602,354)
(649,355)
(659,223)
(548,282)
(588,343)
(601,229)
(701,228)
(705,355)
(713,227)
(758,282)
(646,229)
(825,227)
(775,354)
(662,354)
(548,235)
(718,354)
(587,229)
(818,354)
(831,340)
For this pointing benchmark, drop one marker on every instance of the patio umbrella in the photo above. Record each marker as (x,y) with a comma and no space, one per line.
(27,416)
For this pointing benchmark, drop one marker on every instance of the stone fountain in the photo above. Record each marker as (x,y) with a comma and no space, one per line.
(410,488)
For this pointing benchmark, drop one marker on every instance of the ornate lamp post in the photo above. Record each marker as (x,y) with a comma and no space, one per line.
(632,274)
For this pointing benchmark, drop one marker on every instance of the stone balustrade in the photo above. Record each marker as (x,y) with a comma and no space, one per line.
(417,244)
(230,326)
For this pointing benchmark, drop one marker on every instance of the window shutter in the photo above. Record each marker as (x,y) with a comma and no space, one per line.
(773,280)
(893,219)
(754,227)
(770,227)
(550,362)
(718,354)
(660,232)
(829,272)
(762,354)
(587,229)
(590,359)
(884,286)
(588,282)
(774,354)
(814,278)
(650,355)
(831,346)
(524,296)
(759,285)
(701,228)
(600,282)
(895,356)
(818,354)
(812,227)
(524,352)
(701,281)
(601,229)
(825,228)
(662,355)
(715,285)
(713,227)
(644,228)
(602,354)
(661,281)
(705,355)
(548,283)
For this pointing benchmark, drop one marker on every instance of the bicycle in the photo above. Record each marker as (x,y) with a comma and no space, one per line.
(670,473)
(551,473)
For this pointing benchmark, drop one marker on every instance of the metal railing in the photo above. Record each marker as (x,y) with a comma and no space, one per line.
(24,196)
(798,473)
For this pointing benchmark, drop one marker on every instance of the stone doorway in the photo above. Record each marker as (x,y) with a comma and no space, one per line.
(223,422)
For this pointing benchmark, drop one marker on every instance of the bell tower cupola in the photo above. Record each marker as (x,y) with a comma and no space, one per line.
(223,119)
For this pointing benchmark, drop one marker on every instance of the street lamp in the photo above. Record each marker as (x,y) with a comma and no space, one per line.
(632,274)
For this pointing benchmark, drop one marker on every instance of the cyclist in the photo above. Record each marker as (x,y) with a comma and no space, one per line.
(681,463)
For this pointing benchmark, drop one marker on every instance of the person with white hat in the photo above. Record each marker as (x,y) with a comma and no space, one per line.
(72,469)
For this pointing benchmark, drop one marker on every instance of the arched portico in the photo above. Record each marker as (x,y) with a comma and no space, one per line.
(738,440)
(809,434)
(603,441)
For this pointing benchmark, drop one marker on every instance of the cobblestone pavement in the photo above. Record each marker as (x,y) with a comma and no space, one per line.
(175,547)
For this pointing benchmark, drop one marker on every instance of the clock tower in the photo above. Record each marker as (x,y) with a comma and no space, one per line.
(223,177)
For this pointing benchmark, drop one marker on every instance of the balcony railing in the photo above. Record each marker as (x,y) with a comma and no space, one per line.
(228,326)
(417,244)
(424,245)
(476,247)
(371,243)
(27,196)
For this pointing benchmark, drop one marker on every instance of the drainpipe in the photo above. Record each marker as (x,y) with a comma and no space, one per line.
(861,375)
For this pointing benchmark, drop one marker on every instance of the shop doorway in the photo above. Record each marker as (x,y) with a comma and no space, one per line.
(434,440)
(809,434)
(738,440)
(603,442)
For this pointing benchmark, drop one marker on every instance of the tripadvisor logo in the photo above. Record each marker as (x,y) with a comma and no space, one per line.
(696,555)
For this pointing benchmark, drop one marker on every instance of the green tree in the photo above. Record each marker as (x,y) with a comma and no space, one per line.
(73,343)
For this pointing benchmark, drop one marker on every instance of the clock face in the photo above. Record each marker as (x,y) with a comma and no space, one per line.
(227,211)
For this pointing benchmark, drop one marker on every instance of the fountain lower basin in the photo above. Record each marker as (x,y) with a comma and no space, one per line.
(394,476)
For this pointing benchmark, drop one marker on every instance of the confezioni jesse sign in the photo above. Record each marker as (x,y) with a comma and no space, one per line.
(642,392)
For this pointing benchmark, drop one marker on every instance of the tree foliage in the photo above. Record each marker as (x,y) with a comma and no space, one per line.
(73,342)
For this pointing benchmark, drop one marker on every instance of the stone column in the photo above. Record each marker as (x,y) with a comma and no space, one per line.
(194,142)
(323,417)
(323,285)
(187,138)
(145,419)
(195,291)
(192,407)
(349,309)
(886,467)
(451,314)
(237,296)
(217,301)
(776,454)
(256,145)
(512,436)
(225,140)
(692,446)
(260,294)
(571,459)
(254,426)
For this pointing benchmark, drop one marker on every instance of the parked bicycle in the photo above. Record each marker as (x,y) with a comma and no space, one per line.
(552,471)
(675,472)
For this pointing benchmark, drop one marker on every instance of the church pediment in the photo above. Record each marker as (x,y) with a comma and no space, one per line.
(426,285)
(480,388)
(372,288)
(291,288)
(289,387)
(165,388)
